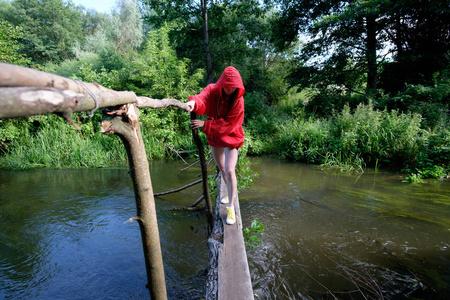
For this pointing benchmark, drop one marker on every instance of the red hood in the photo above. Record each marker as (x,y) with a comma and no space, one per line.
(230,78)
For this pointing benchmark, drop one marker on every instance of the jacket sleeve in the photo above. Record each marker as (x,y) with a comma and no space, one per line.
(223,127)
(201,100)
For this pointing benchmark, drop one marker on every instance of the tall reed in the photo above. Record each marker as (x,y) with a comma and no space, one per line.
(55,144)
(364,137)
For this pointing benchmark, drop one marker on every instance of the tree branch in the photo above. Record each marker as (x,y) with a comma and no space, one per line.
(16,102)
(163,103)
(26,92)
(179,189)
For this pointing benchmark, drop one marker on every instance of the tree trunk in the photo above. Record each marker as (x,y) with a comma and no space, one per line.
(204,4)
(204,168)
(126,126)
(398,36)
(371,54)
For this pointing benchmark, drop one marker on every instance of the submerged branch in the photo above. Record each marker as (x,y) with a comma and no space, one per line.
(315,203)
(176,152)
(190,166)
(198,201)
(179,189)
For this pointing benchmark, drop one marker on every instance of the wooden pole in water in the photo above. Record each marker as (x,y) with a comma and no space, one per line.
(125,124)
(204,168)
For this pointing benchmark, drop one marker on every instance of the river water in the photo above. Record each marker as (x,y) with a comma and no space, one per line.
(64,235)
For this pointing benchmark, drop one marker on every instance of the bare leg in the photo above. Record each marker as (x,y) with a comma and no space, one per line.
(231,156)
(218,154)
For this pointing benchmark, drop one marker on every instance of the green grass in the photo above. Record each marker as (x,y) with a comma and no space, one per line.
(56,144)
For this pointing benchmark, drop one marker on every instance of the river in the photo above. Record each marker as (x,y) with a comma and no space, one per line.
(64,234)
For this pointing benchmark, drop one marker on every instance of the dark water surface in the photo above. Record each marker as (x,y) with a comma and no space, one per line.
(334,235)
(63,234)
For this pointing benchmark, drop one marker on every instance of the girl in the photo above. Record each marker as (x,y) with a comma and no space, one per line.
(223,104)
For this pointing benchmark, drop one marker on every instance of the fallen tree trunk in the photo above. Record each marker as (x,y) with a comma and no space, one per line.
(16,102)
(26,92)
(15,76)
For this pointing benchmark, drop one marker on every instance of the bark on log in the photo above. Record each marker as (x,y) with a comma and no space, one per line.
(215,246)
(163,103)
(14,76)
(127,128)
(16,102)
(26,92)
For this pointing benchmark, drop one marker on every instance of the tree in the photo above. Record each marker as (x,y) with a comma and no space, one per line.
(344,31)
(159,73)
(420,32)
(363,32)
(209,71)
(239,35)
(50,27)
(9,35)
(127,30)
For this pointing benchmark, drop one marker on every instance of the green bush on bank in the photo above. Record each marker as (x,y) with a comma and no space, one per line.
(348,140)
(352,140)
(48,141)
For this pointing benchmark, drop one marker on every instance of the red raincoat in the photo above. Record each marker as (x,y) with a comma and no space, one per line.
(223,127)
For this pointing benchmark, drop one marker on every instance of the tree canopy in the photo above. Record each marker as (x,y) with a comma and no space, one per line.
(339,48)
(382,39)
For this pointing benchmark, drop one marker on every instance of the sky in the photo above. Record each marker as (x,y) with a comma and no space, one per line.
(103,6)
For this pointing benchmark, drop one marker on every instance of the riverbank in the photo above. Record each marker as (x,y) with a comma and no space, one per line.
(350,140)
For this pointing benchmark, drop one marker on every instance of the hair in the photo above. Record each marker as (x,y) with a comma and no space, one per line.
(232,98)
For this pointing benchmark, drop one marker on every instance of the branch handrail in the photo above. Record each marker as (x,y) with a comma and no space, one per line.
(26,92)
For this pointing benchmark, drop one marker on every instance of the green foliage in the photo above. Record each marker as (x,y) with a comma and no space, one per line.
(261,121)
(212,184)
(50,27)
(387,136)
(435,172)
(9,46)
(164,129)
(353,140)
(433,160)
(347,39)
(159,73)
(245,175)
(239,35)
(430,101)
(252,235)
(126,26)
(110,79)
(47,141)
(330,122)
(8,130)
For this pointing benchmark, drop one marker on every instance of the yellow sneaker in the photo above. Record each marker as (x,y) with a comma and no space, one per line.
(224,200)
(231,216)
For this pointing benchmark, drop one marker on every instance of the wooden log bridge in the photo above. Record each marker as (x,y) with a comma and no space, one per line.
(228,274)
(26,92)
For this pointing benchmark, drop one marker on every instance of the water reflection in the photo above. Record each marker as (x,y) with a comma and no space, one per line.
(62,234)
